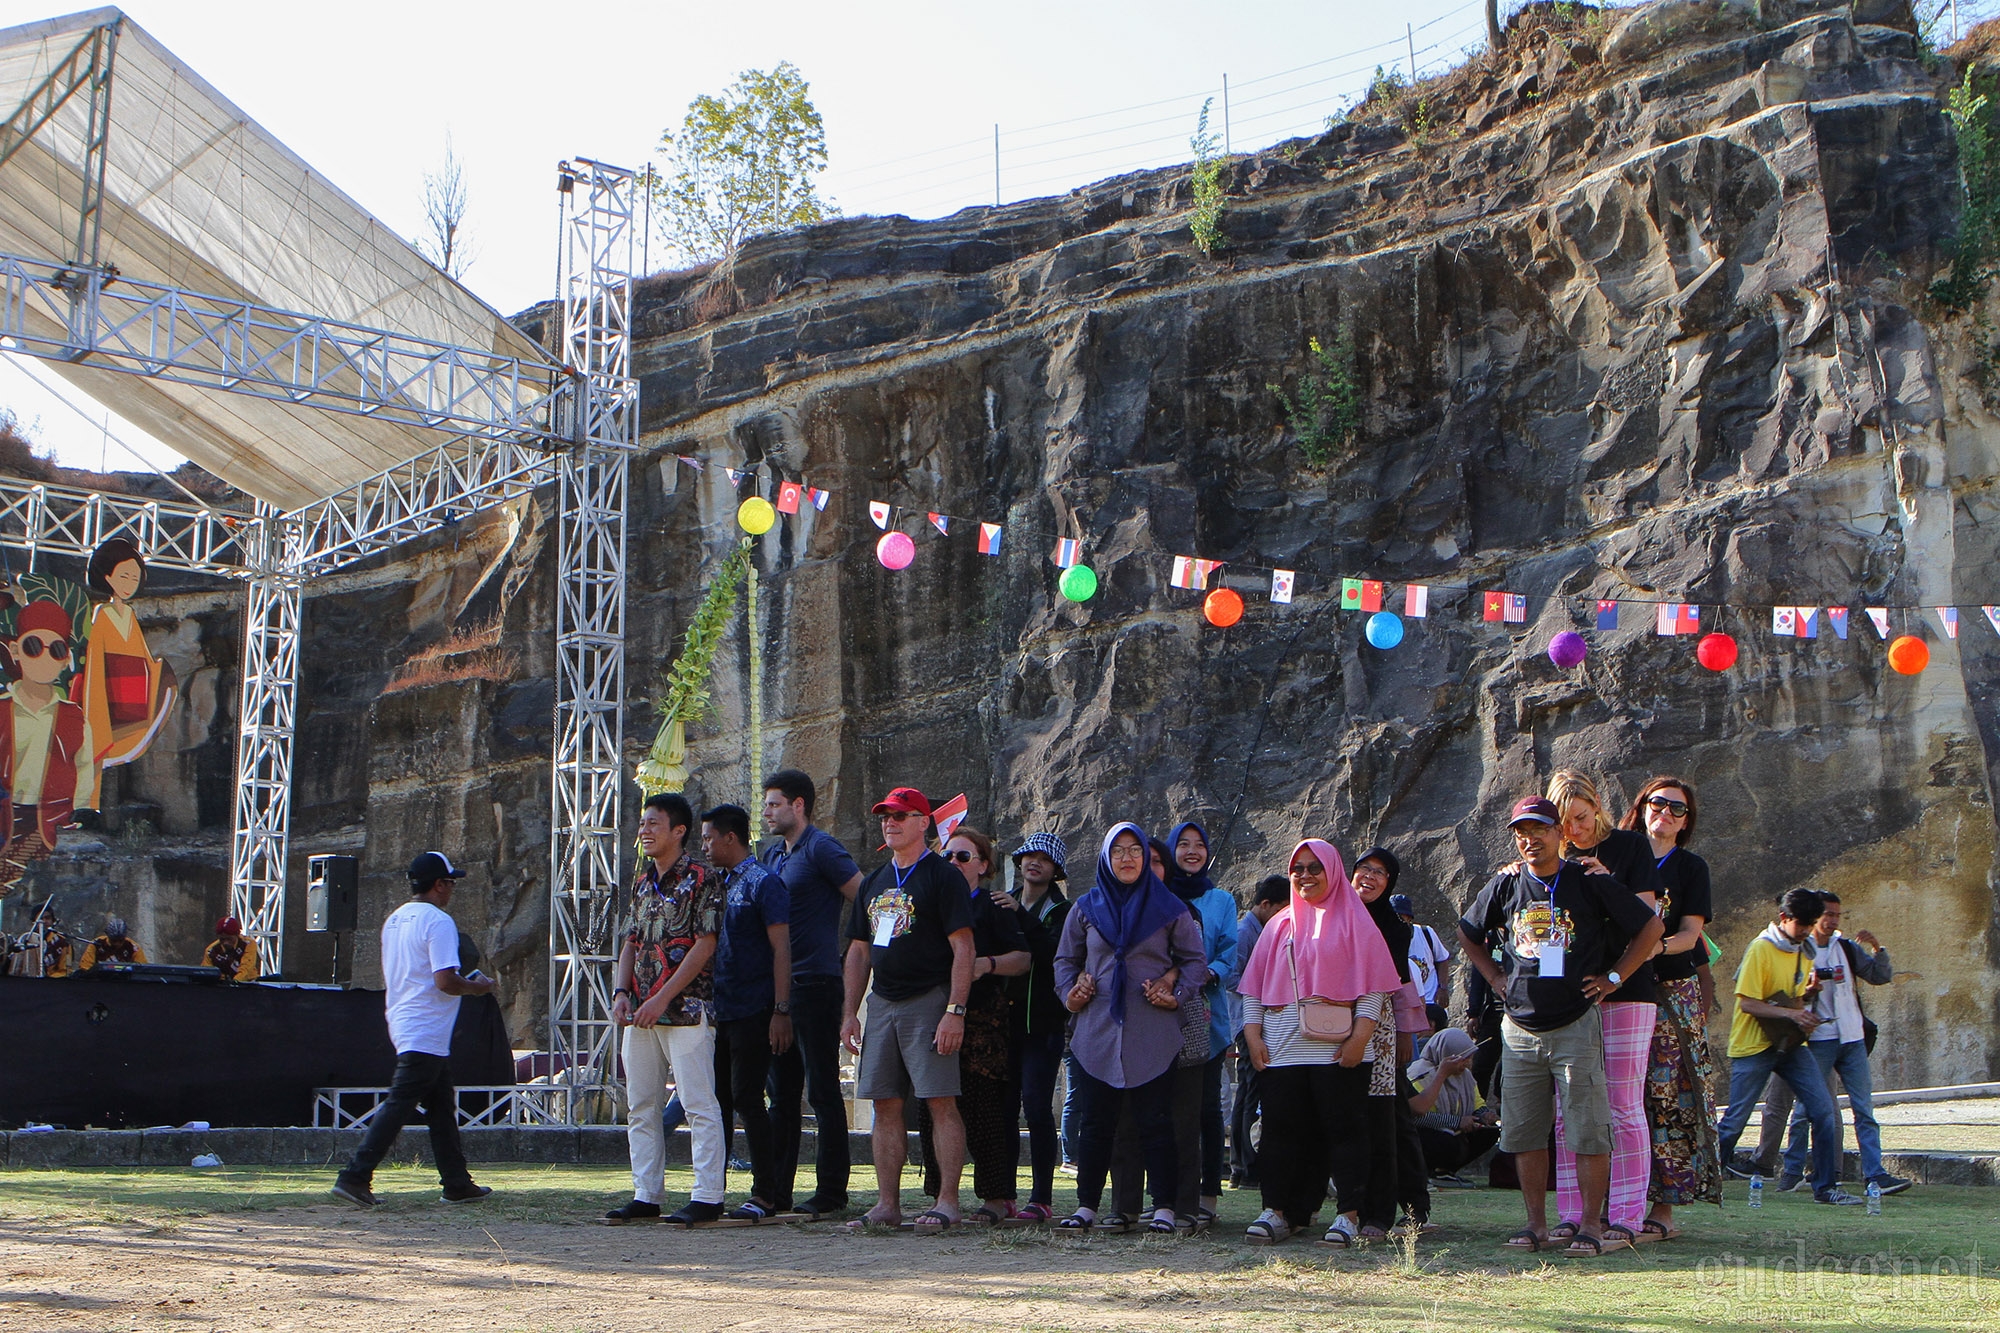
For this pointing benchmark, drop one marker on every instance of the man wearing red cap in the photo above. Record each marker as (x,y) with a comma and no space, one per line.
(44,757)
(230,953)
(911,927)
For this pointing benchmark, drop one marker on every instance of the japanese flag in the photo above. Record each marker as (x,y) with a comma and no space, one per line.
(879,512)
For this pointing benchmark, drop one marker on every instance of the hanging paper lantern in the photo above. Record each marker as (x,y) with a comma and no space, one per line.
(1568,649)
(1079,583)
(895,550)
(1717,652)
(1385,629)
(1223,607)
(1908,655)
(755,516)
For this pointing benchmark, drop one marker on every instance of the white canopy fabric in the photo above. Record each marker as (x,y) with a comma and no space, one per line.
(198,196)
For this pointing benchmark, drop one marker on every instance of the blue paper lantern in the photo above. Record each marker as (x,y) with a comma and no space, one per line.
(1385,629)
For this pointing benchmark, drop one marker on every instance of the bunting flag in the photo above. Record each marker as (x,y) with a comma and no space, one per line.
(1066,552)
(816,497)
(1192,572)
(735,475)
(1808,621)
(1992,617)
(1879,615)
(1495,608)
(949,816)
(942,522)
(1836,616)
(1948,617)
(1281,586)
(1417,601)
(1607,615)
(989,539)
(1360,595)
(1678,618)
(1514,610)
(880,513)
(1784,620)
(789,493)
(690,460)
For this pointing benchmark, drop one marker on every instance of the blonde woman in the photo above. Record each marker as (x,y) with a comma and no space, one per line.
(1592,842)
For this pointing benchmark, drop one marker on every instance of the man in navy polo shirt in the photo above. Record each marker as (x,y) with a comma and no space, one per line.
(753,993)
(820,879)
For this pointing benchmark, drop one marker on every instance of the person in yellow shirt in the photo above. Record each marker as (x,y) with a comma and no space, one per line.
(230,953)
(113,946)
(1774,988)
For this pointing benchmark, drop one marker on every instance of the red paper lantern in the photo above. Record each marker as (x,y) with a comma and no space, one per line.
(1908,655)
(1223,607)
(1717,652)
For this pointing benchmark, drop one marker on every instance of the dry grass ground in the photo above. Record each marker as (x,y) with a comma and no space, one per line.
(243,1250)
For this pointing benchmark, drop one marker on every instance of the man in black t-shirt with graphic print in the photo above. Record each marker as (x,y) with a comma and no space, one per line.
(1556,926)
(910,928)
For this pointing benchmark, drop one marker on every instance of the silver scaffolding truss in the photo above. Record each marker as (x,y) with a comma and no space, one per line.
(505,425)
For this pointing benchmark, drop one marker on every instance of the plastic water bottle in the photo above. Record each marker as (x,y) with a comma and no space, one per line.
(1756,1191)
(1874,1199)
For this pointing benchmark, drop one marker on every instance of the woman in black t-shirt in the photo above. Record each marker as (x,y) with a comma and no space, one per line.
(1686,1168)
(1591,842)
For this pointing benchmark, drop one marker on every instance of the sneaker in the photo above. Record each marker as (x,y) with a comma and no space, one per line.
(1067,1168)
(1789,1182)
(466,1193)
(739,1164)
(1840,1198)
(1889,1184)
(1743,1166)
(691,1213)
(636,1211)
(354,1192)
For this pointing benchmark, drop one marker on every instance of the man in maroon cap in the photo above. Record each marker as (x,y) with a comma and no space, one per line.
(1558,926)
(911,927)
(230,953)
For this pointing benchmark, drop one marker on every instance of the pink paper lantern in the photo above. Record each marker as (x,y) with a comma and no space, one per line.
(895,550)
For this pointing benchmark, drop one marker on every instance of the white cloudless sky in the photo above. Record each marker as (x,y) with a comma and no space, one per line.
(366,92)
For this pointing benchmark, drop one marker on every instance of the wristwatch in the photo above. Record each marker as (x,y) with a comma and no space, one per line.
(1613,977)
(956,1010)
(782,1007)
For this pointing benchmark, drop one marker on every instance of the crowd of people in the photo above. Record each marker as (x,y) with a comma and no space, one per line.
(1581,1056)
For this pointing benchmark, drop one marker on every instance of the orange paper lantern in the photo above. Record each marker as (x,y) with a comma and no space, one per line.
(1223,607)
(1908,655)
(1717,652)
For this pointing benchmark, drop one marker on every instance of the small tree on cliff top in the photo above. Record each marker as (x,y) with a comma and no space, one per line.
(742,163)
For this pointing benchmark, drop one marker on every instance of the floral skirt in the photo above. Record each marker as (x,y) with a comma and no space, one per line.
(1686,1166)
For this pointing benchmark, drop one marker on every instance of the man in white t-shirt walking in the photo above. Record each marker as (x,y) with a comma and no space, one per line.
(420,970)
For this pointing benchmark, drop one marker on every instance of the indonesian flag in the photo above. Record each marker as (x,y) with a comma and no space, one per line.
(1784,620)
(1416,601)
(989,539)
(1067,552)
(1281,585)
(789,494)
(1879,617)
(1836,616)
(1607,614)
(949,816)
(1360,595)
(1948,618)
(942,522)
(880,513)
(816,497)
(1192,572)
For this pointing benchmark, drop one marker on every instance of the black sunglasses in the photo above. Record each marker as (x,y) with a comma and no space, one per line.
(1678,809)
(58,649)
(962,857)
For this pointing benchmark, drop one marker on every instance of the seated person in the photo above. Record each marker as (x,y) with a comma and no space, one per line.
(230,953)
(113,946)
(1453,1121)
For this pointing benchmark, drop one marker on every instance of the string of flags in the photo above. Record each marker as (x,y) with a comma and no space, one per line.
(1224,605)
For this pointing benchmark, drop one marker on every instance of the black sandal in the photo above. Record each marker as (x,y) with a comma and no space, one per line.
(1161,1226)
(1526,1239)
(1075,1222)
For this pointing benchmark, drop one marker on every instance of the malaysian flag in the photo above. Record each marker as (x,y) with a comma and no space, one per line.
(735,475)
(1514,609)
(1948,617)
(1068,551)
(1416,601)
(989,539)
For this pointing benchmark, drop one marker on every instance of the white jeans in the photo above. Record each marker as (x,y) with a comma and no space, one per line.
(689,1053)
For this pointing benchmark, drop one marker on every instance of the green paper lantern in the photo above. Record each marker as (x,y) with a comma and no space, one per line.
(1079,583)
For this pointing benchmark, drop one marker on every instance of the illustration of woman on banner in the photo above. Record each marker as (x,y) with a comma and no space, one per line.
(126,692)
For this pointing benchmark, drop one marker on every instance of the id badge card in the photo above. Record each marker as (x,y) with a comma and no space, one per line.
(885,926)
(1551,956)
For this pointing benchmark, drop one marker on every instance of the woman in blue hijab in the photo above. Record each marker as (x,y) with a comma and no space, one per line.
(1130,954)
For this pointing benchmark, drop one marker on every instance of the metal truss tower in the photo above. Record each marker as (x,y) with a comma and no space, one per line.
(597,252)
(266,723)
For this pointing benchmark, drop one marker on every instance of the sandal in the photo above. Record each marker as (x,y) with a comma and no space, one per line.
(1112,1224)
(932,1223)
(1162,1226)
(1035,1212)
(1591,1247)
(1526,1239)
(1624,1233)
(1653,1229)
(1075,1222)
(749,1211)
(860,1225)
(1374,1233)
(1340,1236)
(1564,1231)
(1268,1229)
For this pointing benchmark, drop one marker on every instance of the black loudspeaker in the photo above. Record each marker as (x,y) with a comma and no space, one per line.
(333,897)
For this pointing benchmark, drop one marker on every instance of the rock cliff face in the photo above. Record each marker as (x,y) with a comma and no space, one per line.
(1638,310)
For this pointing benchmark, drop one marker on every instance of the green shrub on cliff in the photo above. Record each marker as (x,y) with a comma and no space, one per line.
(1206,186)
(1324,411)
(1970,111)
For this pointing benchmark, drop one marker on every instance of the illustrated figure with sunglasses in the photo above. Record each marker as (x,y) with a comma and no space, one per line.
(45,757)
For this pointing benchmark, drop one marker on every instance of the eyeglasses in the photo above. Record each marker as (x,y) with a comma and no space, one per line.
(58,649)
(1308,872)
(1370,872)
(962,857)
(1678,809)
(1124,853)
(897,816)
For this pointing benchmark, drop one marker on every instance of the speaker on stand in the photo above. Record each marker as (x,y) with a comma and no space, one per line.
(333,899)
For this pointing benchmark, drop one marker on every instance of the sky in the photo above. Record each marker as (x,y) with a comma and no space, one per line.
(367,93)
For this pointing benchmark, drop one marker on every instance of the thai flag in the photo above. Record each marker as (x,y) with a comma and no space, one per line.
(989,539)
(1607,615)
(789,494)
(1067,552)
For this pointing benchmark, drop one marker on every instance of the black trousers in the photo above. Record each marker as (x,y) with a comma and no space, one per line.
(1098,1107)
(1243,1115)
(992,1136)
(1040,1057)
(1317,1122)
(1413,1189)
(1446,1152)
(1486,1060)
(419,1079)
(811,1069)
(742,1071)
(1128,1159)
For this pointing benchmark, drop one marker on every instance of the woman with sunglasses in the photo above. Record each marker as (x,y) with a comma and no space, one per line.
(1685,1165)
(1319,955)
(1590,840)
(1130,954)
(987,1095)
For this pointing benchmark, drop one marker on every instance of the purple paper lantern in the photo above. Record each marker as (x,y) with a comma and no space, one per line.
(895,550)
(1567,649)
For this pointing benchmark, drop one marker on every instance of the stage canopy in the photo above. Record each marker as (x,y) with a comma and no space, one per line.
(219,235)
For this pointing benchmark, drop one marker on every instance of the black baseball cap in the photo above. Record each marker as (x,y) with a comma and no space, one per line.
(431,866)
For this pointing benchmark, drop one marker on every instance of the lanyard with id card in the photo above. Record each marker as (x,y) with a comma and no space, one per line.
(1549,955)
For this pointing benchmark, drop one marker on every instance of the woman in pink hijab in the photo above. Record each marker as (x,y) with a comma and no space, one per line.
(1321,948)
